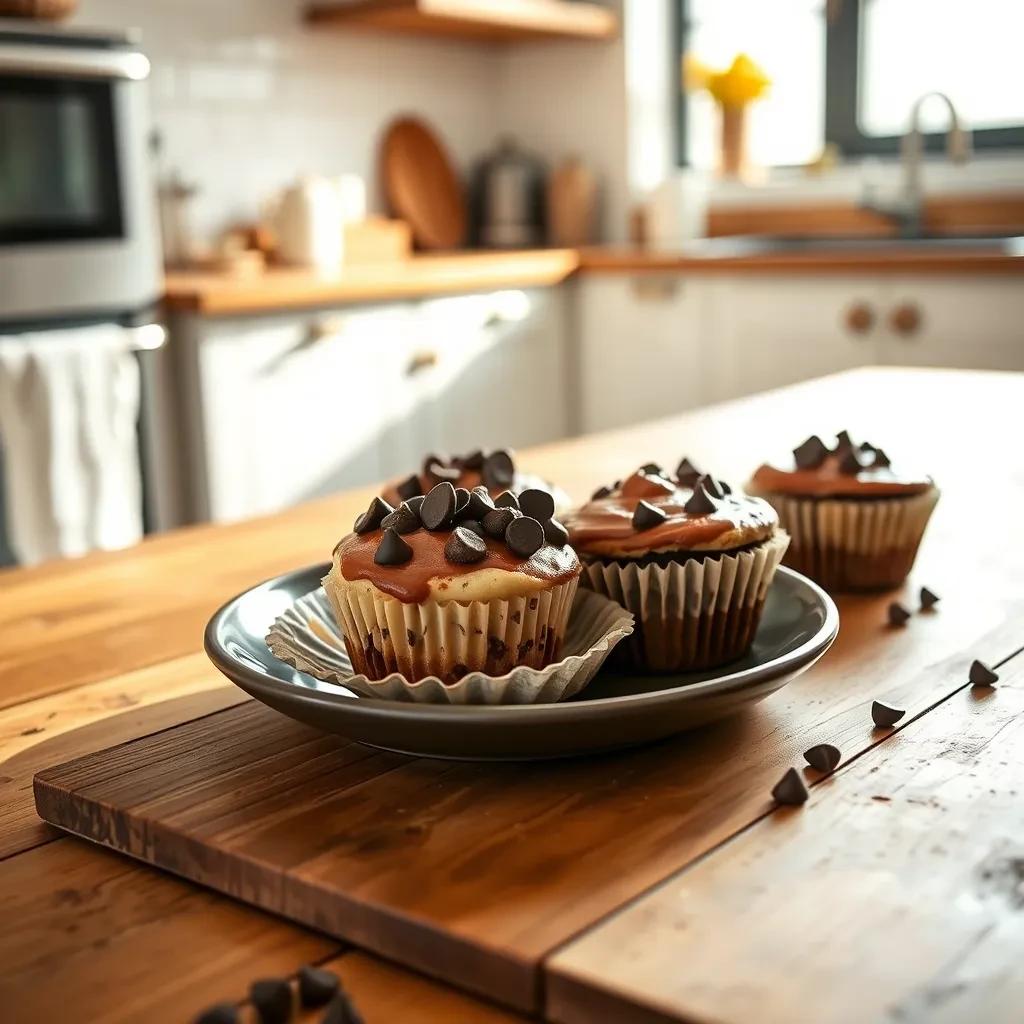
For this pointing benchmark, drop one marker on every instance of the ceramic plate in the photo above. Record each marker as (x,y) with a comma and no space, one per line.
(616,710)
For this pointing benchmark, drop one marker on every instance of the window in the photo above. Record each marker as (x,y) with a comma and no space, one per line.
(849,71)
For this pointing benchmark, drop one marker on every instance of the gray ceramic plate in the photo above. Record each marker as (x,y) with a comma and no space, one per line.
(799,624)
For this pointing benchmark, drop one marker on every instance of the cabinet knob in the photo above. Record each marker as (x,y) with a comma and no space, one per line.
(906,319)
(860,318)
(421,361)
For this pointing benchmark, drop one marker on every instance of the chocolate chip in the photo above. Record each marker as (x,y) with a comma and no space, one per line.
(474,460)
(507,500)
(438,469)
(824,757)
(479,505)
(898,615)
(850,463)
(415,502)
(372,518)
(392,550)
(687,473)
(885,715)
(410,487)
(438,508)
(811,454)
(981,675)
(525,536)
(498,470)
(790,789)
(843,441)
(601,492)
(317,986)
(710,484)
(222,1013)
(700,503)
(497,521)
(866,446)
(272,998)
(726,489)
(341,1011)
(555,533)
(461,499)
(652,468)
(403,520)
(537,503)
(881,460)
(929,599)
(646,516)
(474,525)
(464,546)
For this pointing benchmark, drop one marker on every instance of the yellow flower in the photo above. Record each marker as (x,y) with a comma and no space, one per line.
(737,86)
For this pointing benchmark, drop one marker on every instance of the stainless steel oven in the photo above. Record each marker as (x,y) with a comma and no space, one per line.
(78,236)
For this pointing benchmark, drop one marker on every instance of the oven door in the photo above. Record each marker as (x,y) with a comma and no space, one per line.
(77,237)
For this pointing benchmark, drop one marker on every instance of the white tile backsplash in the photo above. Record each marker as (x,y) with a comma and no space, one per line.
(247,97)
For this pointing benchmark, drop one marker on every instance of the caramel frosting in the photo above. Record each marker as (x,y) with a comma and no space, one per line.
(654,512)
(847,470)
(430,574)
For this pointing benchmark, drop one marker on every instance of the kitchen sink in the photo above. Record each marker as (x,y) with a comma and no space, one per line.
(749,245)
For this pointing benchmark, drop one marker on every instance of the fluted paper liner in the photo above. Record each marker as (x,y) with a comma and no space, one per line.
(849,544)
(308,637)
(692,614)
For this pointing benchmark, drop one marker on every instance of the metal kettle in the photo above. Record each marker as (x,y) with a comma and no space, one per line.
(508,198)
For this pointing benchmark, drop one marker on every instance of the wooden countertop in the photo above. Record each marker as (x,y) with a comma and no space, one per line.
(426,275)
(655,885)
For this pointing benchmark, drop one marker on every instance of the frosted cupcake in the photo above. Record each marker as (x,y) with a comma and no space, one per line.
(856,521)
(691,560)
(449,583)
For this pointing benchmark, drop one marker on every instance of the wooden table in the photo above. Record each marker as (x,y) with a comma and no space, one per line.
(649,886)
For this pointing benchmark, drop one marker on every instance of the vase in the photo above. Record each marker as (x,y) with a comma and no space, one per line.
(733,159)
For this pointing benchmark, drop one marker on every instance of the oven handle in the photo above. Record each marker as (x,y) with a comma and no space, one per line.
(48,60)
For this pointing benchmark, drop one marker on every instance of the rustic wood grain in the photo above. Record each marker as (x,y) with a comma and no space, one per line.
(894,894)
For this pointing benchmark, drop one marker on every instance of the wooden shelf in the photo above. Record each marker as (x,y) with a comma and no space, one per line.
(480,20)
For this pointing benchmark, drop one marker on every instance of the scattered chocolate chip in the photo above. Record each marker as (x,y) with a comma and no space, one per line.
(981,675)
(652,468)
(898,615)
(507,500)
(537,504)
(474,525)
(811,454)
(479,505)
(222,1013)
(646,516)
(410,487)
(700,503)
(524,536)
(372,518)
(866,446)
(790,789)
(885,715)
(461,499)
(464,546)
(403,520)
(474,460)
(725,488)
(341,1011)
(687,473)
(710,484)
(498,470)
(317,986)
(555,533)
(438,508)
(824,757)
(272,998)
(929,599)
(601,492)
(881,460)
(496,522)
(850,463)
(392,550)
(843,441)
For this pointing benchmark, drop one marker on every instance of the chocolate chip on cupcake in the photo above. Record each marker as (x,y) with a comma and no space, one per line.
(448,583)
(688,557)
(856,521)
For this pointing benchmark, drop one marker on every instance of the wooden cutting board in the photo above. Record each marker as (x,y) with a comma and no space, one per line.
(421,185)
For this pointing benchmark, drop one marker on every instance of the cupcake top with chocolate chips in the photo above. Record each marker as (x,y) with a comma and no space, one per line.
(456,544)
(656,510)
(845,470)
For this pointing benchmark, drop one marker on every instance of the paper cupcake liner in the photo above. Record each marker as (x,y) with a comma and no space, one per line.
(854,545)
(692,614)
(307,637)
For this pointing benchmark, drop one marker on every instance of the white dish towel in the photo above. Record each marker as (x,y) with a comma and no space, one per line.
(69,405)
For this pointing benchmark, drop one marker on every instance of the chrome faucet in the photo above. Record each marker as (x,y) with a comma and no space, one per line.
(907,211)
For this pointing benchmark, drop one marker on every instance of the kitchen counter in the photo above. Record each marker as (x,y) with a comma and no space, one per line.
(213,293)
(654,885)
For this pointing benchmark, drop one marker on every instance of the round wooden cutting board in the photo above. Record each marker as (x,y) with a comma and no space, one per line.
(421,185)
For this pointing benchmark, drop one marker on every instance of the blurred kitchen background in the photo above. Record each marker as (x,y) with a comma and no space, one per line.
(256,251)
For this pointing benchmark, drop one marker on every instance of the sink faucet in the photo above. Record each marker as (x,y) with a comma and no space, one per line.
(907,211)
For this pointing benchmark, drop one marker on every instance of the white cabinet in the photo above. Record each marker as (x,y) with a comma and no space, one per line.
(640,347)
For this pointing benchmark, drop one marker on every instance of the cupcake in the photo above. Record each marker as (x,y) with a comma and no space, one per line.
(451,583)
(856,522)
(496,471)
(691,560)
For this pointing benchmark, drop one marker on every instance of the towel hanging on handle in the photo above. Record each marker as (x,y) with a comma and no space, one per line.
(69,405)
